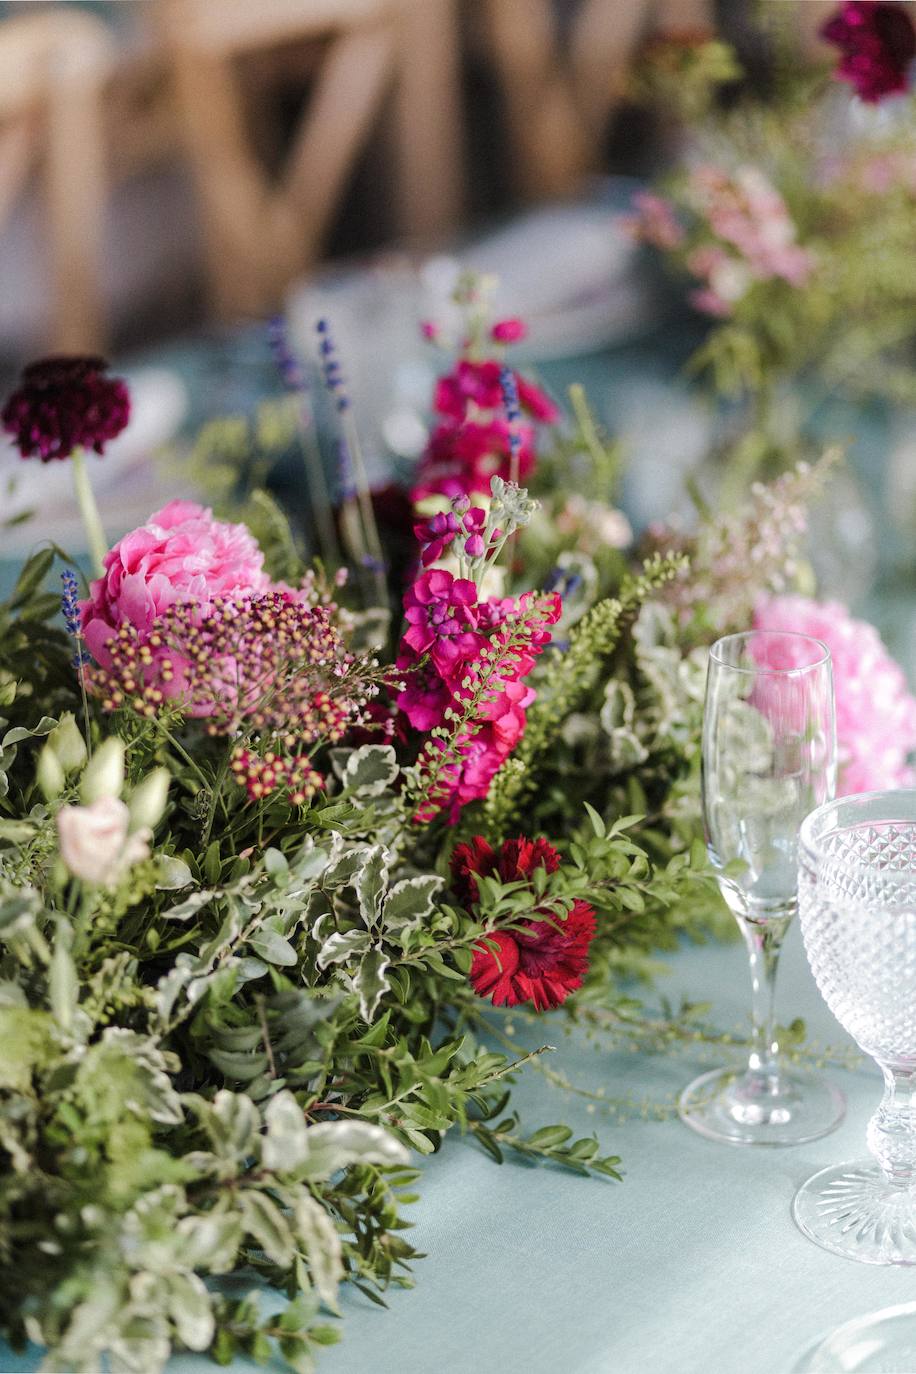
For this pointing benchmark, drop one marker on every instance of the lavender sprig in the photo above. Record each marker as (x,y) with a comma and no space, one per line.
(294,379)
(69,605)
(365,544)
(513,417)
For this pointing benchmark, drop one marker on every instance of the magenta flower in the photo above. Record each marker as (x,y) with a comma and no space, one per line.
(435,535)
(444,681)
(876,713)
(481,383)
(877,42)
(509,331)
(441,615)
(63,404)
(461,458)
(475,523)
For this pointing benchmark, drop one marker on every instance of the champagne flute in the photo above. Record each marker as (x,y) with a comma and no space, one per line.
(769,758)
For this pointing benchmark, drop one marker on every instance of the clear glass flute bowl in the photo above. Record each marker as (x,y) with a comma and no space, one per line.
(769,758)
(857,909)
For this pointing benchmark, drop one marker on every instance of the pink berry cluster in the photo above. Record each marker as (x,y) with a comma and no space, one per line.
(267,664)
(263,775)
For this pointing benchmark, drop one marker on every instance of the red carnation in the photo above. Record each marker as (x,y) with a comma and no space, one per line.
(541,963)
(63,404)
(878,43)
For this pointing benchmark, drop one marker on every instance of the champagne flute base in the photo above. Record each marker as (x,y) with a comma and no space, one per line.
(851,1210)
(741,1108)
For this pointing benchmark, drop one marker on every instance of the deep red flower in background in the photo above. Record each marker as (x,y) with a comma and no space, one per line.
(64,403)
(878,43)
(541,963)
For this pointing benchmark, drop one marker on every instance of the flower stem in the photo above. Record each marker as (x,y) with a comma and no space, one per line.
(92,521)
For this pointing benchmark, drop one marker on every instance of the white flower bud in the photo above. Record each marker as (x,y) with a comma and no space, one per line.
(66,739)
(94,841)
(49,773)
(104,775)
(147,801)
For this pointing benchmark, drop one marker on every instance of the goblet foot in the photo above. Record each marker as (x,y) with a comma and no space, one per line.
(881,1342)
(756,1109)
(853,1211)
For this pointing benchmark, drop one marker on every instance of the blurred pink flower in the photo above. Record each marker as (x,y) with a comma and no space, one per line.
(94,841)
(756,237)
(876,713)
(181,554)
(655,221)
(509,331)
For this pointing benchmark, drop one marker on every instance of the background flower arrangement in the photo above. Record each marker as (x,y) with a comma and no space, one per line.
(270,856)
(789,216)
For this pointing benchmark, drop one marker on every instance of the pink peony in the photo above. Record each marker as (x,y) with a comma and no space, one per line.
(876,714)
(181,554)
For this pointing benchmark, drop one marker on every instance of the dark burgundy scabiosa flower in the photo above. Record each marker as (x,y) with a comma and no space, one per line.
(543,961)
(65,403)
(877,42)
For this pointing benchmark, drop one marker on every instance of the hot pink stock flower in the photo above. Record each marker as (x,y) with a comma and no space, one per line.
(876,714)
(460,459)
(877,41)
(449,641)
(181,554)
(509,331)
(482,383)
(441,615)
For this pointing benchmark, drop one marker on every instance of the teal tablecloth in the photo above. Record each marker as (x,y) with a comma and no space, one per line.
(692,1265)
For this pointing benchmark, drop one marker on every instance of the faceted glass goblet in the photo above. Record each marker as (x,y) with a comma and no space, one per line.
(857,903)
(769,757)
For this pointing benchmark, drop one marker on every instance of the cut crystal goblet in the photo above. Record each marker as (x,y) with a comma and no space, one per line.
(857,908)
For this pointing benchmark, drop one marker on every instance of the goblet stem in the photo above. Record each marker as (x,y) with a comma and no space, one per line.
(892,1130)
(763,937)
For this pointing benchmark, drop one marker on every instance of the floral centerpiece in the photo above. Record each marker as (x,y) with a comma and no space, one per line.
(277,843)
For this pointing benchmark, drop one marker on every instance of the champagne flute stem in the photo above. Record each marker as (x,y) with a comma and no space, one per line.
(764,938)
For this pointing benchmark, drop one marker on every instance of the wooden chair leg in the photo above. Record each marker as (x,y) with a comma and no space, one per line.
(76,185)
(429,120)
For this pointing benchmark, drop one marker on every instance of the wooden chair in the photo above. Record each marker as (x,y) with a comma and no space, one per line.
(560,95)
(53,70)
(261,231)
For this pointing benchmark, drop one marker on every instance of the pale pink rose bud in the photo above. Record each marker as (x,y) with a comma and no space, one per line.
(94,843)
